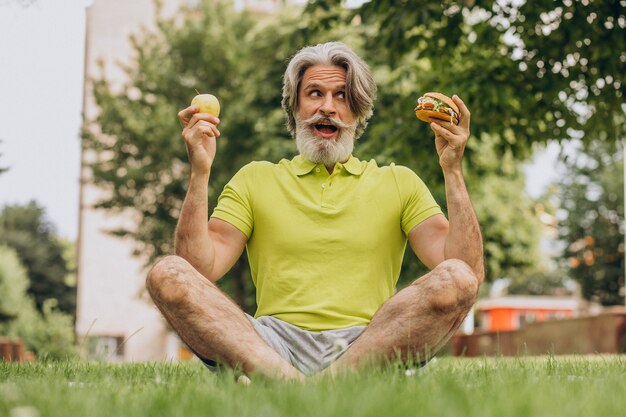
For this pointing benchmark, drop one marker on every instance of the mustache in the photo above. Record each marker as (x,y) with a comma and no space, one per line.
(318,118)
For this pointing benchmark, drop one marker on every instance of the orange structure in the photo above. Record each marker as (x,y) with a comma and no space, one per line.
(13,350)
(512,312)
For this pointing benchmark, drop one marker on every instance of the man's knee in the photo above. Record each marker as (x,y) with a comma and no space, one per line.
(454,287)
(166,280)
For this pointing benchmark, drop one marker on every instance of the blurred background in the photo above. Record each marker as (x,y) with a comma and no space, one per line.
(93,170)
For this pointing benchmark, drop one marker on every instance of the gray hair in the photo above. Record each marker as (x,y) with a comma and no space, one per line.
(360,85)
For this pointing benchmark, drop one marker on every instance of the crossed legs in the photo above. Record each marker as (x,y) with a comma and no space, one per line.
(209,322)
(414,323)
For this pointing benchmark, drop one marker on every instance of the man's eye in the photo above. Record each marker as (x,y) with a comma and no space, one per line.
(316,93)
(341,94)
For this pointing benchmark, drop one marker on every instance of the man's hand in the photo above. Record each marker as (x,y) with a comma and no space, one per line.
(199,133)
(450,139)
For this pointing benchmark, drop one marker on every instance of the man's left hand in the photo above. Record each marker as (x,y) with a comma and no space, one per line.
(450,139)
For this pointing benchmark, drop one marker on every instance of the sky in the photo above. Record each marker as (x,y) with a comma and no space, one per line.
(41,79)
(41,82)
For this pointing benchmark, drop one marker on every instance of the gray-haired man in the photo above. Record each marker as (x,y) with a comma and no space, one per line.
(325,235)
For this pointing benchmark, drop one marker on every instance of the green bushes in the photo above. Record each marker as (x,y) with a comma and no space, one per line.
(49,333)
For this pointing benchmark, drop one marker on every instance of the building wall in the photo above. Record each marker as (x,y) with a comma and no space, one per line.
(512,318)
(514,311)
(115,318)
(602,333)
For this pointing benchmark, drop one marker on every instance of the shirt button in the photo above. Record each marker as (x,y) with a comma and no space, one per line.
(317,170)
(323,185)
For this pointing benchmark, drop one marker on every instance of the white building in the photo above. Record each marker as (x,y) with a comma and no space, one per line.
(116,320)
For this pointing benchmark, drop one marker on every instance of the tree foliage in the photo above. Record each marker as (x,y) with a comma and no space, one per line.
(531,71)
(511,228)
(424,46)
(592,197)
(13,283)
(510,225)
(576,51)
(26,230)
(140,159)
(139,155)
(49,333)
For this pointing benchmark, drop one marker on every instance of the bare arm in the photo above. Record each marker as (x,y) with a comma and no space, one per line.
(464,240)
(437,239)
(428,240)
(212,247)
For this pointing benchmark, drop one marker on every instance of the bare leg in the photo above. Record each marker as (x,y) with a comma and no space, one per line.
(417,321)
(209,322)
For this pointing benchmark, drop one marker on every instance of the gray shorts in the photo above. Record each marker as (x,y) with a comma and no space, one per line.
(309,352)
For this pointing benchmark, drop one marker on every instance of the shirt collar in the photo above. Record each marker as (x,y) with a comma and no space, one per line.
(353,166)
(303,166)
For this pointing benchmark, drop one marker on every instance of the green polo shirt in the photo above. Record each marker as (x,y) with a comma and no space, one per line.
(325,251)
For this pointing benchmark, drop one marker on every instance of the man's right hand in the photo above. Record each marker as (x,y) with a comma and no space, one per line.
(199,132)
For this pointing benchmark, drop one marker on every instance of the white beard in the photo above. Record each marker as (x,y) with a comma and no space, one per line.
(321,150)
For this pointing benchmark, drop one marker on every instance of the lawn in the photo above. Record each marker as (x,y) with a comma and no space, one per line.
(543,386)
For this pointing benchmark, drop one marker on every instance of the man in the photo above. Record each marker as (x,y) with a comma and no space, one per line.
(325,235)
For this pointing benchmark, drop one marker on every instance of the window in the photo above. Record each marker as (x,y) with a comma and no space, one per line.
(526,317)
(106,348)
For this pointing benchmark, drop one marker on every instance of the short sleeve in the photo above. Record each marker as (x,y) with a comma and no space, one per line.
(418,204)
(234,205)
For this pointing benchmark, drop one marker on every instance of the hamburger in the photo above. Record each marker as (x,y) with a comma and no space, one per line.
(438,106)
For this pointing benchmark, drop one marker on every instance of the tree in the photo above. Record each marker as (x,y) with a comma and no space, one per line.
(413,49)
(26,230)
(49,333)
(138,152)
(592,197)
(510,225)
(69,252)
(13,284)
(531,71)
(511,228)
(142,161)
(574,50)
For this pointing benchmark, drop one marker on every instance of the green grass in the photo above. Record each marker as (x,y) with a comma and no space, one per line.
(545,386)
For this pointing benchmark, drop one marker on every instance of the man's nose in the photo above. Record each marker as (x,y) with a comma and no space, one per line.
(328,105)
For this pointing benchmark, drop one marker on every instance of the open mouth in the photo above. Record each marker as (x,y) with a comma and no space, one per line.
(325,129)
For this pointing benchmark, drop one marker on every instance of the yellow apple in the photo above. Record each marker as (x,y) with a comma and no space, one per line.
(207,103)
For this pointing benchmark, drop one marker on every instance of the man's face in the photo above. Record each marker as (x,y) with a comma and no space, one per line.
(325,125)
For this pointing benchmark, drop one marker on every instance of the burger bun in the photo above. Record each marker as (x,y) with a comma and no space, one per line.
(445,99)
(425,114)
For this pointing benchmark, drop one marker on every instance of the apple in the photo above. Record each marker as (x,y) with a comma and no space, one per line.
(207,103)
